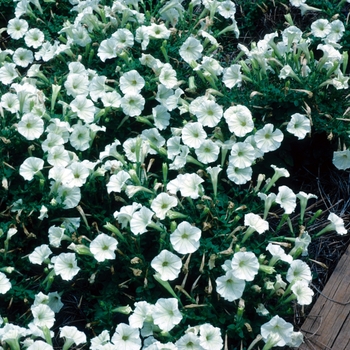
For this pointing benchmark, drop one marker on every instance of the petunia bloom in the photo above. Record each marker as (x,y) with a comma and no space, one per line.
(103,247)
(166,314)
(186,238)
(167,264)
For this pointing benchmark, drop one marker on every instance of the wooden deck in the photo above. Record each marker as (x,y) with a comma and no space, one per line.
(328,324)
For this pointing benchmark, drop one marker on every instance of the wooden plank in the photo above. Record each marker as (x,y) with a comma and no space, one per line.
(328,324)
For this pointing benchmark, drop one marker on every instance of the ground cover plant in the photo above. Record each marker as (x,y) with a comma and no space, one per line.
(147,150)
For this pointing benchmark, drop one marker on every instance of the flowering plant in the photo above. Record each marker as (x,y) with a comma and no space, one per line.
(133,175)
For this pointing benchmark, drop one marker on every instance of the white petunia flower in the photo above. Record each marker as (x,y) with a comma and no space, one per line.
(161,117)
(279,327)
(126,337)
(142,313)
(303,292)
(208,112)
(242,155)
(209,64)
(68,196)
(166,314)
(158,31)
(117,181)
(297,3)
(17,28)
(142,37)
(40,254)
(256,222)
(30,126)
(261,310)
(124,37)
(59,127)
(286,198)
(251,140)
(336,224)
(279,172)
(227,9)
(167,264)
(188,184)
(269,200)
(125,214)
(191,50)
(239,176)
(111,99)
(65,265)
(193,134)
(341,159)
(287,71)
(80,137)
(232,76)
(10,102)
(84,108)
(278,253)
(337,31)
(268,140)
(77,84)
(167,76)
(298,270)
(131,82)
(162,204)
(210,337)
(245,265)
(320,28)
(23,57)
(103,247)
(207,152)
(186,238)
(40,345)
(8,73)
(5,284)
(34,38)
(132,104)
(297,338)
(239,120)
(51,141)
(188,341)
(56,235)
(230,287)
(43,316)
(30,167)
(80,174)
(11,333)
(299,125)
(140,220)
(43,213)
(154,63)
(108,49)
(80,36)
(291,35)
(303,199)
(155,139)
(134,151)
(72,336)
(58,157)
(48,51)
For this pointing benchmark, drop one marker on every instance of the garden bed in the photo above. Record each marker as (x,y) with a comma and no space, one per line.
(173,174)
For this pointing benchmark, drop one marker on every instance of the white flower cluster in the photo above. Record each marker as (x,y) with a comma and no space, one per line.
(194,135)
